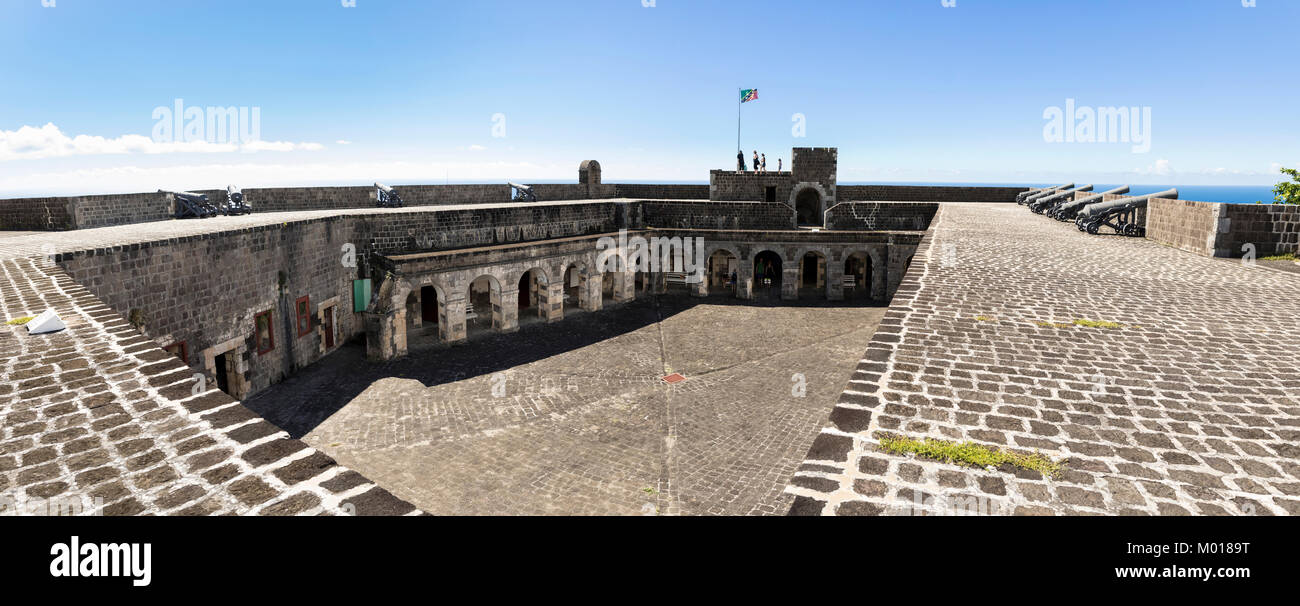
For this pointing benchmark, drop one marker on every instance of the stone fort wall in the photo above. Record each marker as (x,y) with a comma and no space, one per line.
(873,216)
(1219,229)
(206,290)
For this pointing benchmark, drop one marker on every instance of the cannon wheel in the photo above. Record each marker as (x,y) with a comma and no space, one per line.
(1094,227)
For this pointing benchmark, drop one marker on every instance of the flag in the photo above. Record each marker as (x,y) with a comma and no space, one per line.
(749,94)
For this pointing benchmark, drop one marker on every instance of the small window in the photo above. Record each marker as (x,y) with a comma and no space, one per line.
(265,333)
(304,315)
(178,349)
(771,193)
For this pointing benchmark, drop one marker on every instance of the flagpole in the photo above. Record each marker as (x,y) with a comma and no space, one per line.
(739,102)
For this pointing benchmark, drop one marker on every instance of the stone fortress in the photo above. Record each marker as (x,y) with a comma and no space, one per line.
(171,321)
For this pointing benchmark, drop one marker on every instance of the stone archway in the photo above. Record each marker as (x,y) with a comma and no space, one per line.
(809,203)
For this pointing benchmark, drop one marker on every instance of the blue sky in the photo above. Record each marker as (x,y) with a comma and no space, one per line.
(908,90)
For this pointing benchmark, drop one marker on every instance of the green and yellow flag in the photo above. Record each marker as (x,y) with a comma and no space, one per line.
(749,94)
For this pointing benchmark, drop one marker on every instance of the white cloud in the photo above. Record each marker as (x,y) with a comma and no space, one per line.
(30,142)
(343,142)
(123,179)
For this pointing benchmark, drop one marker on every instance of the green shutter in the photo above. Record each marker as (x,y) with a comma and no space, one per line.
(360,295)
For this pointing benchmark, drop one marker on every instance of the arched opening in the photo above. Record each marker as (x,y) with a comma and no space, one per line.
(722,271)
(482,305)
(857,267)
(808,207)
(532,295)
(572,287)
(812,274)
(767,275)
(429,305)
(607,285)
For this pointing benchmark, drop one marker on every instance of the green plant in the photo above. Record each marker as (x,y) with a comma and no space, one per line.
(1288,192)
(968,454)
(1097,324)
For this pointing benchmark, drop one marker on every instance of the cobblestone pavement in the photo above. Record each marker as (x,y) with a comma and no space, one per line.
(1191,407)
(97,419)
(584,423)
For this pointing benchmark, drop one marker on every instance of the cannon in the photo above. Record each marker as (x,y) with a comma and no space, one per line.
(235,204)
(1120,215)
(387,196)
(1046,192)
(1066,210)
(1025,196)
(523,193)
(189,204)
(1042,204)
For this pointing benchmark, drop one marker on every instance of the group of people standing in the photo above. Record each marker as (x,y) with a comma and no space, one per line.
(760,162)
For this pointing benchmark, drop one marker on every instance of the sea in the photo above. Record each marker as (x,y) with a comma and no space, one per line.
(1237,194)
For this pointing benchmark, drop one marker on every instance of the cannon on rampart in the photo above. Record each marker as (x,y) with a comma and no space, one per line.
(387,196)
(1050,200)
(1067,210)
(1119,214)
(191,205)
(235,204)
(523,193)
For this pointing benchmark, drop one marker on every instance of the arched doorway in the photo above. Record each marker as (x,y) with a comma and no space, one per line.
(858,266)
(767,275)
(482,303)
(607,285)
(721,265)
(812,274)
(808,207)
(429,305)
(532,294)
(572,287)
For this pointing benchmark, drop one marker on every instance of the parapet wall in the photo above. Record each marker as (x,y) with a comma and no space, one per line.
(1219,229)
(716,215)
(927,193)
(83,212)
(874,216)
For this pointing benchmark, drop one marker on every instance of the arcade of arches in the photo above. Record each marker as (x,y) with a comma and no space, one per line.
(459,301)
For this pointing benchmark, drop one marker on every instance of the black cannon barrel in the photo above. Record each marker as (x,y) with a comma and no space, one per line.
(1098,209)
(1047,192)
(1079,203)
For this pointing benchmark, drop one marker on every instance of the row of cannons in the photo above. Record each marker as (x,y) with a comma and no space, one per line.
(1091,212)
(197,206)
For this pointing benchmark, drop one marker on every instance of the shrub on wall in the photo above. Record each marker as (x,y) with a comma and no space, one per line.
(1288,192)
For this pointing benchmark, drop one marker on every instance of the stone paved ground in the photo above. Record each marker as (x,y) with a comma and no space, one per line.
(584,424)
(97,419)
(1192,407)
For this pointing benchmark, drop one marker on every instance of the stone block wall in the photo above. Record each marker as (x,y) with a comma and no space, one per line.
(749,186)
(206,290)
(871,216)
(1219,229)
(815,165)
(121,209)
(919,193)
(660,191)
(37,214)
(1274,229)
(716,215)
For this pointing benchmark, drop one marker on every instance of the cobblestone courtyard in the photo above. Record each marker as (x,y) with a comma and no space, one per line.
(1188,404)
(580,421)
